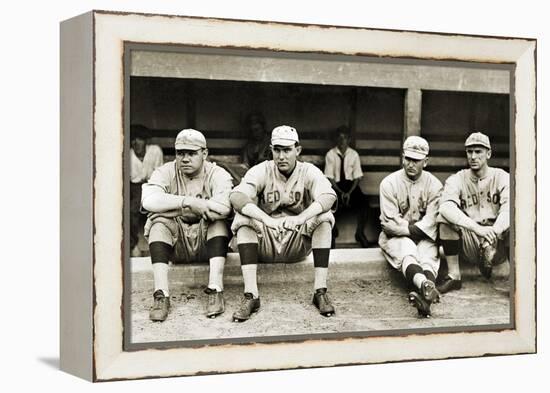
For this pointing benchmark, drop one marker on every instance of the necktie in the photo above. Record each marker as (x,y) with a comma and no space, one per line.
(342,172)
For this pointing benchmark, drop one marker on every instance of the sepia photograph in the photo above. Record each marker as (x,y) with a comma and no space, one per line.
(279,196)
(271,196)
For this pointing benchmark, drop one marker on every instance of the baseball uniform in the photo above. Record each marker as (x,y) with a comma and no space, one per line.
(417,202)
(486,201)
(279,196)
(188,231)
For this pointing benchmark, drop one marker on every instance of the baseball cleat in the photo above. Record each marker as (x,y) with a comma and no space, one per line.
(449,284)
(216,303)
(323,303)
(161,306)
(249,305)
(486,257)
(421,304)
(430,292)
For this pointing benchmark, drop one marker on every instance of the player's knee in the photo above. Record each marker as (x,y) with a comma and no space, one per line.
(324,228)
(160,232)
(246,234)
(407,261)
(447,232)
(322,236)
(217,228)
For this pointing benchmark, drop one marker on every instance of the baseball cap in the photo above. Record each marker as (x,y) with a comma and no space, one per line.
(190,139)
(479,139)
(416,147)
(284,136)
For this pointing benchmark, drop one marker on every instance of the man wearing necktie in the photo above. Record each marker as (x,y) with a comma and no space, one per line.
(343,169)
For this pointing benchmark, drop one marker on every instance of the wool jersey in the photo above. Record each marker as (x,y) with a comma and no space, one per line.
(481,199)
(276,194)
(416,201)
(212,182)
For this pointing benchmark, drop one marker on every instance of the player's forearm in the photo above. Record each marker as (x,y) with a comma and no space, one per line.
(313,210)
(218,208)
(502,223)
(451,212)
(161,202)
(253,211)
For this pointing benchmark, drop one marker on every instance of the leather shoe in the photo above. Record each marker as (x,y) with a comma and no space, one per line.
(216,303)
(161,306)
(449,284)
(323,303)
(249,305)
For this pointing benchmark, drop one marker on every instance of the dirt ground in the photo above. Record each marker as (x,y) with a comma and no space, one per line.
(361,305)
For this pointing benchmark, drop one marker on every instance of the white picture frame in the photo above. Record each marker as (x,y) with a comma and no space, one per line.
(92,255)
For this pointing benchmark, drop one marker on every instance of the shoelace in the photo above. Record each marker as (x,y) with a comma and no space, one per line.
(244,304)
(159,301)
(325,298)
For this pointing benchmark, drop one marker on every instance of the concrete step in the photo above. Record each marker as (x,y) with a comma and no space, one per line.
(345,264)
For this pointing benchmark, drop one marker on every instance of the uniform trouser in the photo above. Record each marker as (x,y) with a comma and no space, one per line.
(289,246)
(470,243)
(395,249)
(188,239)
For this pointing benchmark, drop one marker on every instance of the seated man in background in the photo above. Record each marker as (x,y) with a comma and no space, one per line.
(253,152)
(409,201)
(257,147)
(474,214)
(189,202)
(343,169)
(144,159)
(283,212)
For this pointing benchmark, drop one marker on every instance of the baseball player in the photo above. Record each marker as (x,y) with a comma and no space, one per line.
(282,213)
(188,201)
(409,200)
(474,214)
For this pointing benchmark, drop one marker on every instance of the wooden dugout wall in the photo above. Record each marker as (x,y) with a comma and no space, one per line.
(382,104)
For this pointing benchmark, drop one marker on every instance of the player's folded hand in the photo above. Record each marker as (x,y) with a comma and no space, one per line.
(274,223)
(292,223)
(200,207)
(488,233)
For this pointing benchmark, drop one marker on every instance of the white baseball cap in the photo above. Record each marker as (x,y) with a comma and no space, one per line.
(190,139)
(416,147)
(284,136)
(479,139)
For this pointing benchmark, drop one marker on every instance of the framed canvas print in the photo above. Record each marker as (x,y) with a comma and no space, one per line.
(243,195)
